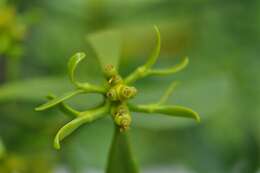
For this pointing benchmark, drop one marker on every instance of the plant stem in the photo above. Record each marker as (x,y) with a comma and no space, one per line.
(120,156)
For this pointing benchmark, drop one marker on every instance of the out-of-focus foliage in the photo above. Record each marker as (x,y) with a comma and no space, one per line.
(12,30)
(222,83)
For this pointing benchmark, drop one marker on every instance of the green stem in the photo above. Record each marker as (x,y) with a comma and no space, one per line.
(120,158)
(91,88)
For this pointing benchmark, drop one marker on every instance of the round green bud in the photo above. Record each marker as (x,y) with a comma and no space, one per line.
(110,71)
(127,92)
(114,80)
(122,117)
(112,94)
(121,92)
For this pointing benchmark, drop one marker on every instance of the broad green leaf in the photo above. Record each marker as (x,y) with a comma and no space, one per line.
(120,156)
(107,45)
(58,100)
(33,89)
(191,93)
(72,64)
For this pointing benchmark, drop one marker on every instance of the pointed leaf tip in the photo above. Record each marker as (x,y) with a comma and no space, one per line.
(58,100)
(179,111)
(67,129)
(56,143)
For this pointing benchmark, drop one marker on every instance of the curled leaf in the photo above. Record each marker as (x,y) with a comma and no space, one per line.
(73,63)
(156,51)
(171,70)
(177,111)
(58,100)
(86,117)
(68,129)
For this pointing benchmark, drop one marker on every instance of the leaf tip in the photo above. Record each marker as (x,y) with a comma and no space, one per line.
(186,60)
(197,117)
(39,108)
(156,27)
(56,143)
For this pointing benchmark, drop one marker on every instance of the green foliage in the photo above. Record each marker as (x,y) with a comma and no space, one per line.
(117,94)
(107,45)
(12,31)
(2,149)
(221,83)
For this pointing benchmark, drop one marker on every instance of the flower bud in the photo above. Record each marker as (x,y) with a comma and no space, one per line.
(127,92)
(121,92)
(110,71)
(122,117)
(114,80)
(112,94)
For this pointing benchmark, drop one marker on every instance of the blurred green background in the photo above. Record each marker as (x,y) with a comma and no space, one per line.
(222,83)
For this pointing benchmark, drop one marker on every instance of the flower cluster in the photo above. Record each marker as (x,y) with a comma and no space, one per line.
(117,91)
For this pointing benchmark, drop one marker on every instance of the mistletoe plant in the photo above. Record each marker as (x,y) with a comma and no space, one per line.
(117,92)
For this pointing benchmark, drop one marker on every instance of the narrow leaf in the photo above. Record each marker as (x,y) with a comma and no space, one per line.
(144,70)
(120,156)
(171,70)
(66,109)
(58,100)
(68,129)
(156,51)
(177,111)
(168,92)
(72,64)
(85,117)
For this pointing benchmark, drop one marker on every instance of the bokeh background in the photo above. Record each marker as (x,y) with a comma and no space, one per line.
(222,83)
